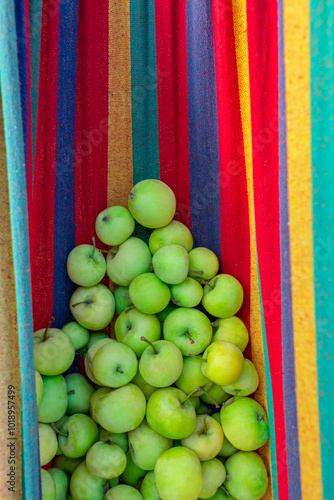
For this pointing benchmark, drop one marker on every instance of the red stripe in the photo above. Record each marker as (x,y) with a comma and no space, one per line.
(43,210)
(234,230)
(263,66)
(171,54)
(91,128)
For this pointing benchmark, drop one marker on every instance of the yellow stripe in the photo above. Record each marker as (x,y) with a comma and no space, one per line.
(297,64)
(241,47)
(9,346)
(119,109)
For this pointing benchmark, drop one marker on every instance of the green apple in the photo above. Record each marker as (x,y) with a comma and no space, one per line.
(147,445)
(132,324)
(178,474)
(148,487)
(114,365)
(39,387)
(93,307)
(48,486)
(47,443)
(246,476)
(61,481)
(123,492)
(86,486)
(152,203)
(79,391)
(132,473)
(192,377)
(149,294)
(245,423)
(161,363)
(214,475)
(189,293)
(91,353)
(223,296)
(162,315)
(171,264)
(77,334)
(214,395)
(106,459)
(170,413)
(223,362)
(247,382)
(94,398)
(173,233)
(77,435)
(67,464)
(122,299)
(53,351)
(114,225)
(122,409)
(147,389)
(86,266)
(94,337)
(233,330)
(128,260)
(203,263)
(207,438)
(121,438)
(54,400)
(190,329)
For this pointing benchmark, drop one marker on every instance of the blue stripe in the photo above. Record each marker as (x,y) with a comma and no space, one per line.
(21,37)
(203,126)
(289,376)
(64,227)
(35,20)
(11,101)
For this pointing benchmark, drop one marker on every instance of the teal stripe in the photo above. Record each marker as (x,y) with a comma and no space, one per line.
(35,21)
(322,119)
(270,399)
(144,99)
(10,90)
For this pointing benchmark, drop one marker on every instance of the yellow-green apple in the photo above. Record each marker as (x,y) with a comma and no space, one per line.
(85,265)
(227,448)
(77,334)
(53,351)
(93,399)
(114,225)
(54,400)
(171,264)
(207,438)
(233,330)
(147,445)
(148,487)
(149,294)
(173,233)
(61,481)
(190,329)
(152,203)
(114,365)
(223,362)
(203,263)
(128,260)
(132,324)
(192,377)
(48,486)
(189,293)
(178,474)
(39,387)
(246,383)
(223,296)
(122,409)
(105,459)
(170,413)
(123,492)
(91,353)
(161,363)
(86,486)
(77,435)
(246,475)
(245,423)
(47,443)
(93,307)
(214,475)
(79,391)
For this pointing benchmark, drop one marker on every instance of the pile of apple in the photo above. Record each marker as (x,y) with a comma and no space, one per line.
(162,411)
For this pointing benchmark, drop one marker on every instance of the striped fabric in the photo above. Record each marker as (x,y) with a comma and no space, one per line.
(231,103)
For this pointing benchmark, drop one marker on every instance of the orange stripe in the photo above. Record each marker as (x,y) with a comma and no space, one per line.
(9,345)
(241,47)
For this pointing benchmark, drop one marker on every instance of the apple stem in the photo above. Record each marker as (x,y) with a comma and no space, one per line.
(191,393)
(187,334)
(224,489)
(47,327)
(150,343)
(229,402)
(205,424)
(94,248)
(88,301)
(119,370)
(213,399)
(196,357)
(196,272)
(126,311)
(71,392)
(57,431)
(108,441)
